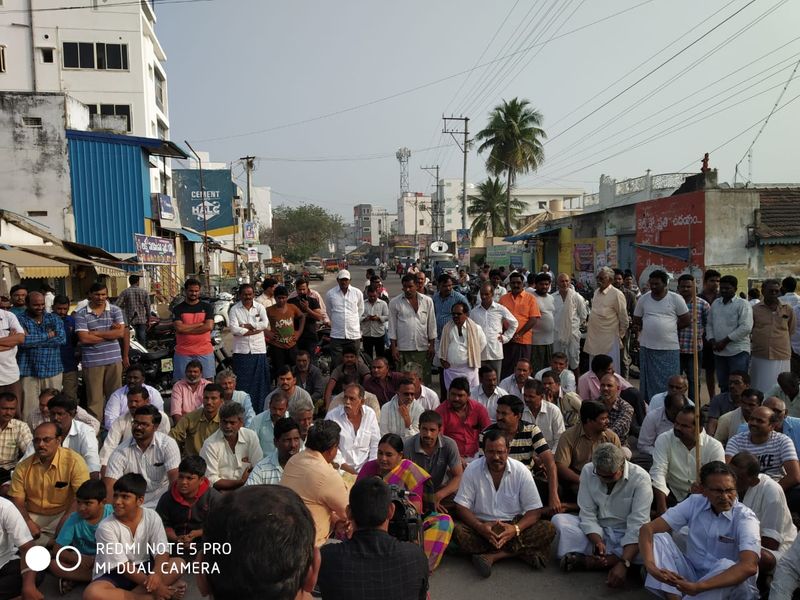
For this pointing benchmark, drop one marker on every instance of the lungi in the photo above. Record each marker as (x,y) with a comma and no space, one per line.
(252,377)
(655,368)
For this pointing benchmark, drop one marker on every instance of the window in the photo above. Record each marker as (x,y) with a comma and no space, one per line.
(543,205)
(32,122)
(86,55)
(112,56)
(47,55)
(120,110)
(37,213)
(422,221)
(160,86)
(163,132)
(2,59)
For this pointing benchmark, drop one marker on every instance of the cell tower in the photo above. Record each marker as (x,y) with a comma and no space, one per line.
(402,156)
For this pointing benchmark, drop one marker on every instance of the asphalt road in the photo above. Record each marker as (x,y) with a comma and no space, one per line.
(456,579)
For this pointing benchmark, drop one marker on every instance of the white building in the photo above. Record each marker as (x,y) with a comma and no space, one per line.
(106,55)
(414,214)
(373,223)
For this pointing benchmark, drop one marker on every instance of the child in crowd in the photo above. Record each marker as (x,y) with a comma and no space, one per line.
(186,505)
(123,563)
(79,531)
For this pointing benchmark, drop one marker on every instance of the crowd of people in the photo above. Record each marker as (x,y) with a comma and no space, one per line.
(308,478)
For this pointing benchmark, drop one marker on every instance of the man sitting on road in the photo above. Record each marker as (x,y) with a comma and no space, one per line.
(722,550)
(232,451)
(614,500)
(729,423)
(569,403)
(187,394)
(514,384)
(197,426)
(269,470)
(499,510)
(488,392)
(264,423)
(437,454)
(381,381)
(725,402)
(558,364)
(589,385)
(674,464)
(287,383)
(463,418)
(401,414)
(117,404)
(658,421)
(308,376)
(543,414)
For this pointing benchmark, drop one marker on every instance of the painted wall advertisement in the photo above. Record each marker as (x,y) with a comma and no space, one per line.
(216,194)
(155,250)
(669,231)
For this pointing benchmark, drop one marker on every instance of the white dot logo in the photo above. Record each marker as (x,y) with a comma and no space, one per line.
(37,558)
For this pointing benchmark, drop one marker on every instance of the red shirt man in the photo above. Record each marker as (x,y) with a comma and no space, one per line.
(463,418)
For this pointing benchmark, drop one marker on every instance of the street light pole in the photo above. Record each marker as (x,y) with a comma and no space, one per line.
(206,256)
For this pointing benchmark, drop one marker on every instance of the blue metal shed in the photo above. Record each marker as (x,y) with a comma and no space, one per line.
(110,181)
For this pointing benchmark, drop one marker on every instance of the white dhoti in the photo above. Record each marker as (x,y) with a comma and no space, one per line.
(572,539)
(666,555)
(572,348)
(764,372)
(461,371)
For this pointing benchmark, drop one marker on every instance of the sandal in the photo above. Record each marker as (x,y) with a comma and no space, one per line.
(573,561)
(483,566)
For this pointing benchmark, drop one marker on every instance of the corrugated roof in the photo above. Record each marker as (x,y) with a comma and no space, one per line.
(780,214)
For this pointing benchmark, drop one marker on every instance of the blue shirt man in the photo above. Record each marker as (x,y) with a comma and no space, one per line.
(443,302)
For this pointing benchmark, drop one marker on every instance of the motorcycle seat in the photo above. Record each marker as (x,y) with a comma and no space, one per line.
(156,354)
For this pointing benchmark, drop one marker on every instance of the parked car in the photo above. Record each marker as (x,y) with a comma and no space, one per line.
(312,269)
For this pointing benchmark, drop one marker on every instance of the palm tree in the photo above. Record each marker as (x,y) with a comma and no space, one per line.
(489,208)
(513,137)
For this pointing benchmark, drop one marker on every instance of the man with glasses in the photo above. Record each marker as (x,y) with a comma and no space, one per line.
(461,345)
(614,498)
(723,546)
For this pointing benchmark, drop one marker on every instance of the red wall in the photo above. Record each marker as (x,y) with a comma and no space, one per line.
(672,221)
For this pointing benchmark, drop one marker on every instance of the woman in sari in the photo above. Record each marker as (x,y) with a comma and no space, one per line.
(396,470)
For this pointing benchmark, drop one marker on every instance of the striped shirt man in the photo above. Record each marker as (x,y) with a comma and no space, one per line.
(528,439)
(771,455)
(101,353)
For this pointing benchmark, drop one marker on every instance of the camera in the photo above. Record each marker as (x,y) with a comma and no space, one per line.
(406,524)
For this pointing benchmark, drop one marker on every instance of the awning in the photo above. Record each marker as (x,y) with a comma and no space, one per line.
(190,235)
(87,251)
(680,252)
(521,237)
(59,252)
(31,266)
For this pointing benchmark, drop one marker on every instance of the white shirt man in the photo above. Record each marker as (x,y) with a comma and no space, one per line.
(392,421)
(117,404)
(566,377)
(224,463)
(413,330)
(154,464)
(655,423)
(768,501)
(489,401)
(345,310)
(357,447)
(567,326)
(370,327)
(256,318)
(549,420)
(120,434)
(616,516)
(492,320)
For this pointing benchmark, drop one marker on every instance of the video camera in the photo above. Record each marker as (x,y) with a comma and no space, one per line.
(406,524)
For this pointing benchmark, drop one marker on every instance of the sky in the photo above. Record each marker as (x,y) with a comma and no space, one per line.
(324,93)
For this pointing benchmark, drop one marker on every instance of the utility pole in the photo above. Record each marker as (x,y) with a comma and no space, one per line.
(248,165)
(465,149)
(206,256)
(437,208)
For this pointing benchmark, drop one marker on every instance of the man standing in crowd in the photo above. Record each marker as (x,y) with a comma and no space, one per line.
(248,321)
(729,327)
(526,311)
(630,303)
(345,307)
(499,510)
(443,301)
(18,294)
(569,315)
(773,326)
(70,354)
(135,304)
(412,328)
(658,315)
(608,321)
(286,323)
(497,323)
(460,347)
(39,355)
(709,294)
(544,327)
(194,320)
(686,284)
(376,315)
(311,308)
(100,327)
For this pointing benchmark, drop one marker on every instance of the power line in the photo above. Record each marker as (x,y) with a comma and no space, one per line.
(93,6)
(415,88)
(649,73)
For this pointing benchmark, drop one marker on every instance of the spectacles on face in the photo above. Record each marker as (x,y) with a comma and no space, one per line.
(722,491)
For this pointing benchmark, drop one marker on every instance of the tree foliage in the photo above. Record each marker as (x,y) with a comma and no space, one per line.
(489,207)
(513,138)
(301,231)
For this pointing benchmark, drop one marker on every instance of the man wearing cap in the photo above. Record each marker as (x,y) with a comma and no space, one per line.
(345,307)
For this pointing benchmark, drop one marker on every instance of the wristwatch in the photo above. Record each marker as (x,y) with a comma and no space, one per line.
(627,563)
(517,529)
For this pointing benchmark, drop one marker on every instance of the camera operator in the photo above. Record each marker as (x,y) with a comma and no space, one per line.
(372,564)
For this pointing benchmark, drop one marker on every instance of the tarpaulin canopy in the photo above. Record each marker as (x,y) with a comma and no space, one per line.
(31,266)
(680,252)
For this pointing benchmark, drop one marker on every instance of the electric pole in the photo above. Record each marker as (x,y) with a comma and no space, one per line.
(437,208)
(465,149)
(248,165)
(206,254)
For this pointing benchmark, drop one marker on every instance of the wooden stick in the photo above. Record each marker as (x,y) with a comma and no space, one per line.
(696,381)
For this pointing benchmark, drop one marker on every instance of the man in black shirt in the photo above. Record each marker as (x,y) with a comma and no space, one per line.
(372,565)
(311,309)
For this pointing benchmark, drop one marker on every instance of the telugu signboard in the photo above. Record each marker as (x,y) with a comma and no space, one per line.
(584,257)
(213,203)
(155,250)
